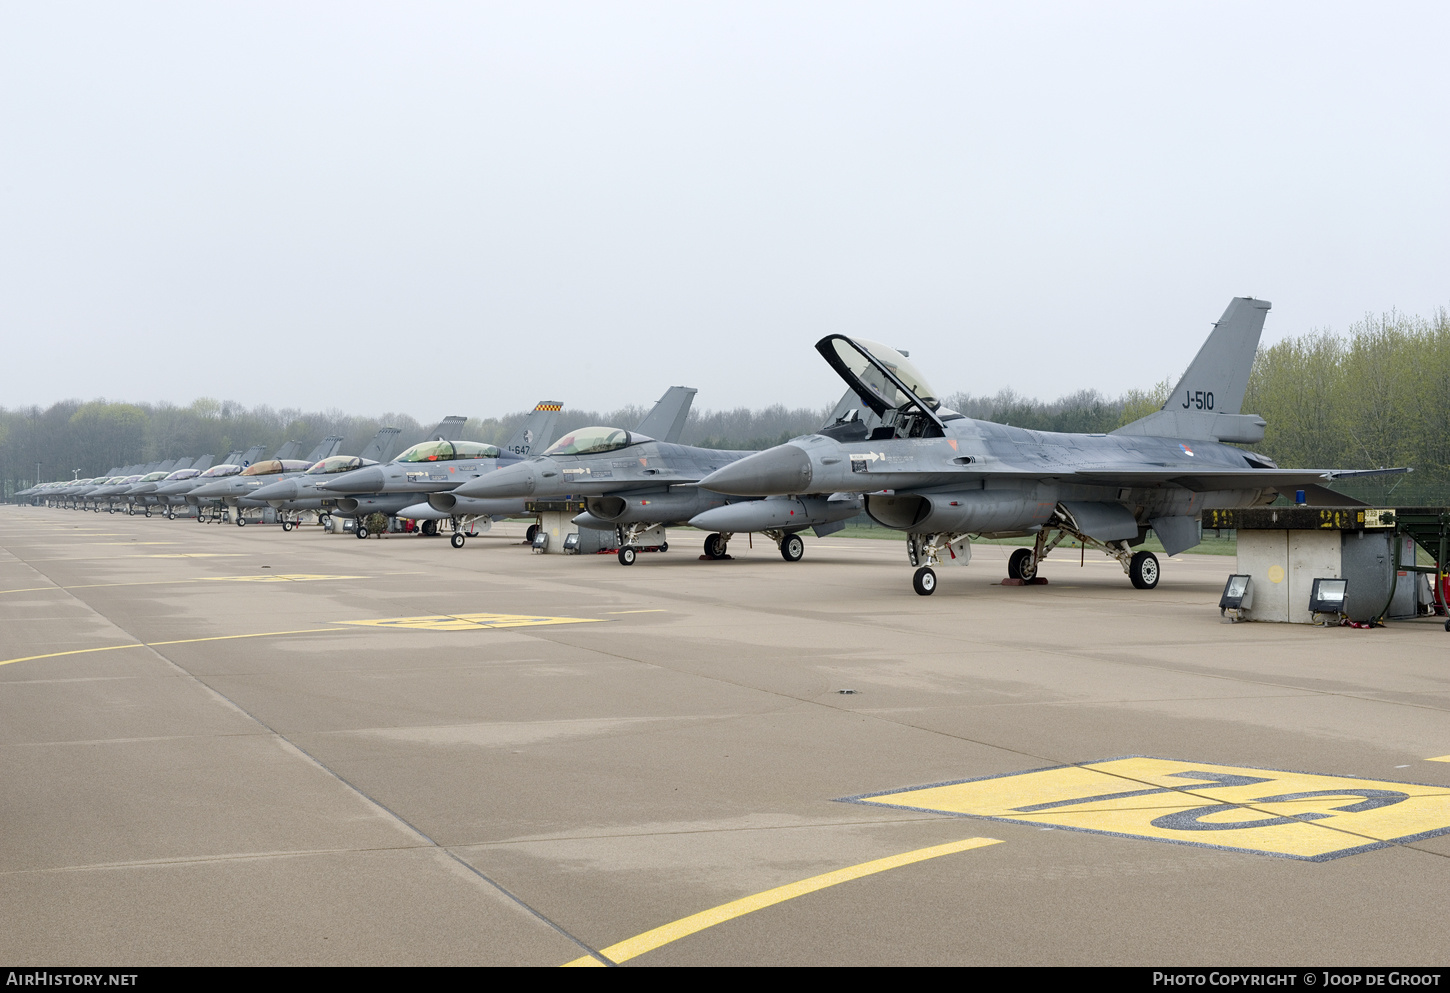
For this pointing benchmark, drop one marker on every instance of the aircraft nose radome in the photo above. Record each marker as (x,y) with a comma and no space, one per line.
(517,480)
(778,470)
(283,489)
(368,479)
(211,489)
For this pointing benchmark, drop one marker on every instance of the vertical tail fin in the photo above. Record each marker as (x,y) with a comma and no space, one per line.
(251,455)
(448,429)
(1205,404)
(289,450)
(851,410)
(380,449)
(326,448)
(666,422)
(202,463)
(537,430)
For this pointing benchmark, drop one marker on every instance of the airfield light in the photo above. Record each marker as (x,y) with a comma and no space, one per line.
(1327,596)
(1238,595)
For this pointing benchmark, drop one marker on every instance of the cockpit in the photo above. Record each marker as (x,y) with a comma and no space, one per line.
(594,441)
(151,477)
(339,463)
(448,451)
(272,467)
(218,471)
(184,474)
(886,381)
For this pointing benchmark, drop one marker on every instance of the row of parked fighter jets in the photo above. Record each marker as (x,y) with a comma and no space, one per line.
(889,448)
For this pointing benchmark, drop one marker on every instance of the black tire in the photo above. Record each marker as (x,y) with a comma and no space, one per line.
(457,540)
(241,521)
(924,582)
(530,533)
(1021,565)
(430,529)
(148,511)
(361,531)
(324,519)
(664,546)
(626,555)
(1143,571)
(715,547)
(286,525)
(792,547)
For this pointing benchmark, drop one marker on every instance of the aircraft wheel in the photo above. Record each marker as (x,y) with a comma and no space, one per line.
(626,555)
(241,521)
(360,531)
(664,546)
(1447,625)
(1143,570)
(715,547)
(1021,565)
(148,511)
(286,525)
(529,534)
(792,548)
(924,582)
(430,529)
(457,540)
(171,515)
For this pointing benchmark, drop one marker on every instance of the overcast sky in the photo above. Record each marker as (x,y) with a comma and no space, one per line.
(466,207)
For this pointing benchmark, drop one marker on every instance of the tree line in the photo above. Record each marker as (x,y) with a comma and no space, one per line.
(1376,395)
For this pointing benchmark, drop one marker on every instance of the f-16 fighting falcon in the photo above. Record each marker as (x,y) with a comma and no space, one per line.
(943,478)
(633,484)
(429,467)
(301,493)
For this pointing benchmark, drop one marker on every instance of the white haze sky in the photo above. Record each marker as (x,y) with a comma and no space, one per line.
(443,208)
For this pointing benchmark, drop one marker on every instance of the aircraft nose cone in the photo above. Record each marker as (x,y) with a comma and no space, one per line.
(368,479)
(283,489)
(778,470)
(219,488)
(517,480)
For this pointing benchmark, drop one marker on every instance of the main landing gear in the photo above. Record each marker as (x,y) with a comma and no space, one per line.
(925,551)
(792,546)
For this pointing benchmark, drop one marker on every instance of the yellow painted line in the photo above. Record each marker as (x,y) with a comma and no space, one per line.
(1442,758)
(154,644)
(656,610)
(686,926)
(470,622)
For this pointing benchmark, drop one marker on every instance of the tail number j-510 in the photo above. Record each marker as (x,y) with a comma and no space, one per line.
(1197,400)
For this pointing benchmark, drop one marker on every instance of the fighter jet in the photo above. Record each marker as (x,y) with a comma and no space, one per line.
(633,484)
(188,488)
(430,467)
(666,419)
(944,478)
(300,493)
(235,491)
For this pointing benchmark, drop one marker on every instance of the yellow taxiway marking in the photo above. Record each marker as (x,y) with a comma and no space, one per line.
(686,926)
(135,543)
(654,610)
(153,644)
(281,577)
(1442,758)
(1290,814)
(470,622)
